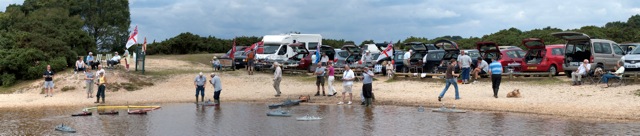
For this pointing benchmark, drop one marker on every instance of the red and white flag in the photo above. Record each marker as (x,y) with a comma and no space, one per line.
(254,47)
(233,49)
(388,52)
(133,38)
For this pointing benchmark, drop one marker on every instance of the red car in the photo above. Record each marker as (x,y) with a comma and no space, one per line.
(302,56)
(510,57)
(541,57)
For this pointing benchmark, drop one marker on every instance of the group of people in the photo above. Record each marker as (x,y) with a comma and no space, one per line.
(199,84)
(98,78)
(494,69)
(585,70)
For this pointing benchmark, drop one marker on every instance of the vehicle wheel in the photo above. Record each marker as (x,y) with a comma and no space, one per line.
(567,73)
(553,70)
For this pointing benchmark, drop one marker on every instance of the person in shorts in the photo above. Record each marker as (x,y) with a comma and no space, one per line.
(482,68)
(89,82)
(48,81)
(250,60)
(320,79)
(347,83)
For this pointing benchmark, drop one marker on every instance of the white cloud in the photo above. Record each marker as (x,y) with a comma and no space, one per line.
(5,3)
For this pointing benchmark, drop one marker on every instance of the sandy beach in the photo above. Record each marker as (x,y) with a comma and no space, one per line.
(173,82)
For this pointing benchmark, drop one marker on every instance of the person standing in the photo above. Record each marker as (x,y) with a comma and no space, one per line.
(465,66)
(89,82)
(482,68)
(100,70)
(495,70)
(367,86)
(405,60)
(199,84)
(332,78)
(582,71)
(48,81)
(217,87)
(102,82)
(250,58)
(319,78)
(277,77)
(450,79)
(347,82)
(126,62)
(367,59)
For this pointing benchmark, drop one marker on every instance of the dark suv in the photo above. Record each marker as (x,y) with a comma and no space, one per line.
(451,51)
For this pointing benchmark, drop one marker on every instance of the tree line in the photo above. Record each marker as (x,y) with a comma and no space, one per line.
(55,32)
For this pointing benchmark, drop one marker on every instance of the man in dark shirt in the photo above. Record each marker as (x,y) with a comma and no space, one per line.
(48,81)
(450,79)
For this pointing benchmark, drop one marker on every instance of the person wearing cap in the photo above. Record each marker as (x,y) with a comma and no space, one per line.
(277,77)
(217,87)
(90,61)
(320,72)
(482,68)
(114,60)
(199,84)
(216,64)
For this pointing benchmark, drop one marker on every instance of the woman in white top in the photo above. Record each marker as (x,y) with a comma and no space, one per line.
(79,65)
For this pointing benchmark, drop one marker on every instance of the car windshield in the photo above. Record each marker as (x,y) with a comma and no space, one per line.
(399,57)
(435,56)
(636,51)
(474,54)
(270,48)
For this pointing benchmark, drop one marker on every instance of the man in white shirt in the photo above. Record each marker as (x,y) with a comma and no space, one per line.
(405,60)
(324,59)
(277,77)
(114,60)
(582,70)
(465,66)
(367,58)
(481,68)
(347,82)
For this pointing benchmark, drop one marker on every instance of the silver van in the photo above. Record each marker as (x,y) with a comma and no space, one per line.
(601,53)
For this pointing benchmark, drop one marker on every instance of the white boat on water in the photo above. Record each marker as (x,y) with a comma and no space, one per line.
(308,118)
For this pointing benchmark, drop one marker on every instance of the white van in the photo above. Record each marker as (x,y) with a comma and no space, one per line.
(275,46)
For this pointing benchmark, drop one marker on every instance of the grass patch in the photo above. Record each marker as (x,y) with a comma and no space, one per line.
(637,92)
(539,81)
(130,86)
(67,88)
(390,80)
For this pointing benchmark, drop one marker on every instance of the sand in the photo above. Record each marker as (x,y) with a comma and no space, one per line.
(560,99)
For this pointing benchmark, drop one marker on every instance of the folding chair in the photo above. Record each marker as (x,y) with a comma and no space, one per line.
(618,81)
(108,56)
(594,76)
(98,58)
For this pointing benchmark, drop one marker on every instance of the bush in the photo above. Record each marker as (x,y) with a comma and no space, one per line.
(7,79)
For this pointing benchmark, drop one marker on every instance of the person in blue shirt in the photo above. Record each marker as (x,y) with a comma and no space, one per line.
(495,70)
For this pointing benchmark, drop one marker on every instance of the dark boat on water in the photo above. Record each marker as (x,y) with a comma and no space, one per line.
(286,103)
(84,113)
(279,113)
(64,128)
(109,113)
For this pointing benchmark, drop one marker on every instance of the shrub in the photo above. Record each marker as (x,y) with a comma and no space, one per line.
(67,88)
(7,79)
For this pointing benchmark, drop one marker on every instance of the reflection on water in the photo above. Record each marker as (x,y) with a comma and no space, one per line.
(251,119)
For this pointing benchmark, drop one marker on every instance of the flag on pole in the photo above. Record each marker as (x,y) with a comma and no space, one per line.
(233,49)
(254,47)
(388,52)
(318,57)
(133,38)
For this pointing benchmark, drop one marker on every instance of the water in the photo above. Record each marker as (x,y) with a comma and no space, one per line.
(250,119)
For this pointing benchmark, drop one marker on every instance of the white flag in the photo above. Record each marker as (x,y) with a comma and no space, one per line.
(133,38)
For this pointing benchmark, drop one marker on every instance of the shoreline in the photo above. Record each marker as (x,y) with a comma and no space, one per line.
(540,97)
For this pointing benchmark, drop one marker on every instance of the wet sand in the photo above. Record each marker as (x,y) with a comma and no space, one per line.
(555,97)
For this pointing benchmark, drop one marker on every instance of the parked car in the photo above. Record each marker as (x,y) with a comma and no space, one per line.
(240,59)
(509,57)
(451,51)
(331,53)
(601,53)
(419,51)
(398,56)
(238,49)
(432,60)
(299,58)
(627,47)
(632,60)
(541,57)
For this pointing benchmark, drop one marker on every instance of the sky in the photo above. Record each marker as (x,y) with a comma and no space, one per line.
(358,20)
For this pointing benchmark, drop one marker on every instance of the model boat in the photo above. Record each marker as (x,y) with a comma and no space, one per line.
(208,103)
(113,112)
(139,112)
(308,118)
(64,128)
(287,102)
(84,113)
(279,113)
(448,110)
